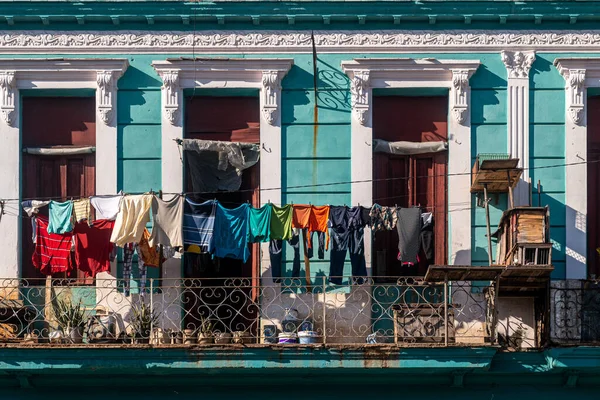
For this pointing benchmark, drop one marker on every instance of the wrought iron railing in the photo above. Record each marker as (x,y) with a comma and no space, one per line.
(575,311)
(247,311)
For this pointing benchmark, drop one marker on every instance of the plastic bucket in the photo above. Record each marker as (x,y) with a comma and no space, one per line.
(307,337)
(287,338)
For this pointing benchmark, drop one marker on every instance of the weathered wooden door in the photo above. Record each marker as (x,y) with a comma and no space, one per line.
(593,186)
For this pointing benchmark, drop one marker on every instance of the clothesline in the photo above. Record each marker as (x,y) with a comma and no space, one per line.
(333,183)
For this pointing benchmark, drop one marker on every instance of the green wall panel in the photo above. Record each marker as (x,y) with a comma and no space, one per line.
(557,237)
(317,172)
(544,74)
(488,106)
(139,141)
(139,106)
(547,106)
(298,106)
(497,207)
(556,203)
(138,176)
(326,141)
(316,198)
(140,73)
(488,139)
(560,270)
(551,173)
(547,140)
(479,251)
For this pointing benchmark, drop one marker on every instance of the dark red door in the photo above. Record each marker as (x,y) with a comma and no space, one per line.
(50,122)
(593,187)
(405,181)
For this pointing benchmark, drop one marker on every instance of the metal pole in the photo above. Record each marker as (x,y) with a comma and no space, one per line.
(324,312)
(487,222)
(447,328)
(151,308)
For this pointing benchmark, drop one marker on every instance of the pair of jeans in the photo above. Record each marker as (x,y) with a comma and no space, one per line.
(347,233)
(276,256)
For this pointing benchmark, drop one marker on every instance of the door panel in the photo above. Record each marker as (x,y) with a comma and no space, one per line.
(593,187)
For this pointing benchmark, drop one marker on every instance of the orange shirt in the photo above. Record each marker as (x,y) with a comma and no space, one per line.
(313,218)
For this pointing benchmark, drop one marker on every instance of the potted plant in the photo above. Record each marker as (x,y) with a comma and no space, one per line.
(70,318)
(142,323)
(205,336)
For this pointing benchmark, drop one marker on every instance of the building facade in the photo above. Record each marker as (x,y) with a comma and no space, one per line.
(95,97)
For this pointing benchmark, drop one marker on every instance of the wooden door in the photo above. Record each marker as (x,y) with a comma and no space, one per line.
(406,181)
(593,186)
(55,122)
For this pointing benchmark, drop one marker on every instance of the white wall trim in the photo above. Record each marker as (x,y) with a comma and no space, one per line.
(396,41)
(518,65)
(18,74)
(579,74)
(262,74)
(367,74)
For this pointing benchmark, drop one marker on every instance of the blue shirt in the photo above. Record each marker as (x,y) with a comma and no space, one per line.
(199,223)
(231,232)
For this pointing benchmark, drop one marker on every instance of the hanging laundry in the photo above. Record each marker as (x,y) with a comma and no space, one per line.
(167,219)
(150,254)
(131,219)
(276,256)
(32,207)
(199,224)
(347,233)
(231,233)
(217,165)
(61,217)
(52,252)
(93,246)
(427,241)
(143,271)
(82,210)
(281,222)
(260,224)
(321,241)
(107,207)
(127,263)
(409,234)
(312,218)
(383,218)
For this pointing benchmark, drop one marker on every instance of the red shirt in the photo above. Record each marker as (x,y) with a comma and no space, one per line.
(93,246)
(52,252)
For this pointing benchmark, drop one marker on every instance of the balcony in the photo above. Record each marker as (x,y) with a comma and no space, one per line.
(242,311)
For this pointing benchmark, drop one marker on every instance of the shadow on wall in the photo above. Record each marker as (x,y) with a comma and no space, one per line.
(539,65)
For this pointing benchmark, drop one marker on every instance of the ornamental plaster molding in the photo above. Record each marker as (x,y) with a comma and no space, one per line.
(518,63)
(575,92)
(256,73)
(105,95)
(128,42)
(368,73)
(7,96)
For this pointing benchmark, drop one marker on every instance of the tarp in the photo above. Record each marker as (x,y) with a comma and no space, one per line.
(407,148)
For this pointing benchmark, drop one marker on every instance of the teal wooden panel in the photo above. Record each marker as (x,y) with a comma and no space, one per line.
(137,176)
(325,141)
(547,140)
(497,206)
(488,106)
(300,175)
(139,106)
(547,106)
(556,203)
(139,141)
(140,73)
(316,198)
(544,74)
(558,239)
(560,270)
(297,106)
(551,177)
(488,139)
(479,249)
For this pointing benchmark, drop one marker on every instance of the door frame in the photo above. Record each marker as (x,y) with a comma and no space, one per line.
(367,74)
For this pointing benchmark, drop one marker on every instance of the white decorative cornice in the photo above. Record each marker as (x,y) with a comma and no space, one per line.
(263,74)
(7,96)
(172,96)
(105,95)
(518,63)
(366,73)
(460,94)
(579,74)
(361,95)
(271,90)
(127,42)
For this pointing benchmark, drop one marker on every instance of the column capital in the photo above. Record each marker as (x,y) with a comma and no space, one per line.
(518,63)
(7,96)
(271,92)
(360,92)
